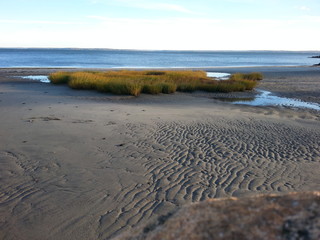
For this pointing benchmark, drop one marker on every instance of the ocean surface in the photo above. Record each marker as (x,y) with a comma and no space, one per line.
(106,58)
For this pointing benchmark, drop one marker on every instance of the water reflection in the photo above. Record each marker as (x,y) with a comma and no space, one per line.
(219,75)
(265,98)
(40,78)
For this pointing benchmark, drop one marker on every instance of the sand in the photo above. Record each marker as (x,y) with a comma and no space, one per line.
(85,165)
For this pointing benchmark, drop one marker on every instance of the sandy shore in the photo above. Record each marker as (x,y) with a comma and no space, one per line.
(84,165)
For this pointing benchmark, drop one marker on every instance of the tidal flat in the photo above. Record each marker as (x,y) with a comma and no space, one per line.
(78,164)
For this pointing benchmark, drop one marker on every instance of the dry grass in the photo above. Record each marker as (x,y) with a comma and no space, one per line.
(254,76)
(153,82)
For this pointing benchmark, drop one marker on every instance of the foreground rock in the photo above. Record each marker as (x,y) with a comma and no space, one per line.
(291,216)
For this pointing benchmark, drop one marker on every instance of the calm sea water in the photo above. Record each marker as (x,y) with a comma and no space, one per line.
(105,58)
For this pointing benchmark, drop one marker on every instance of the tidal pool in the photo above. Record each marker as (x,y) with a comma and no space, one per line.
(219,75)
(41,78)
(265,98)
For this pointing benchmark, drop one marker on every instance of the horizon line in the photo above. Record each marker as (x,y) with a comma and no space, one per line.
(160,50)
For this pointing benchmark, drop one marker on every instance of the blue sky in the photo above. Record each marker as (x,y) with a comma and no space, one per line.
(162,24)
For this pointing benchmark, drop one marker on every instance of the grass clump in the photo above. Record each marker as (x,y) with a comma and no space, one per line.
(123,87)
(169,88)
(254,76)
(79,80)
(153,82)
(152,88)
(157,73)
(59,77)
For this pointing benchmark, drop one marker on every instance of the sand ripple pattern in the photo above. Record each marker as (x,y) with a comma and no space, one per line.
(193,162)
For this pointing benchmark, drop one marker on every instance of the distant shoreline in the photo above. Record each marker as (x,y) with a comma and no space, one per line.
(149,50)
(164,68)
(228,69)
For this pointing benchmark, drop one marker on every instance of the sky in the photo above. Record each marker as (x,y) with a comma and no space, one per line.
(162,24)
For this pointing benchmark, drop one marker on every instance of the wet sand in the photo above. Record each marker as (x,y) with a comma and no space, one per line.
(85,165)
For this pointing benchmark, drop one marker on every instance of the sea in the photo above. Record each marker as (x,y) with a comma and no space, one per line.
(110,58)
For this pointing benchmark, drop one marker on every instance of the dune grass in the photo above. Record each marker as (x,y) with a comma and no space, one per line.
(153,82)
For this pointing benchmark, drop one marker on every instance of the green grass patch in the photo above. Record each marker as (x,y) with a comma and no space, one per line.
(153,82)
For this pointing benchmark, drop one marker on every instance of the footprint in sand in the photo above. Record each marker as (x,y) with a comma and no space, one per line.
(110,123)
(83,121)
(46,119)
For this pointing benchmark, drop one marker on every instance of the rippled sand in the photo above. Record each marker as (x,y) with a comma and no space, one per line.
(83,165)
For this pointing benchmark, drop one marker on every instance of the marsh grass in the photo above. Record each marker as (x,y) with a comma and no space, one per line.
(153,82)
(59,77)
(254,76)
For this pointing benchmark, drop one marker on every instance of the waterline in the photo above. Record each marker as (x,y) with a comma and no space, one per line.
(40,78)
(219,75)
(266,98)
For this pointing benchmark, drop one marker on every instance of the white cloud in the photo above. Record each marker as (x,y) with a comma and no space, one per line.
(308,18)
(164,6)
(206,34)
(242,1)
(38,22)
(303,8)
(172,34)
(149,4)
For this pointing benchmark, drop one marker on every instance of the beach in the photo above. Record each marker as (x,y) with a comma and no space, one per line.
(86,165)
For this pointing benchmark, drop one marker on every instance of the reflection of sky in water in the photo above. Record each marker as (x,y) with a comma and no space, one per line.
(40,78)
(219,75)
(266,98)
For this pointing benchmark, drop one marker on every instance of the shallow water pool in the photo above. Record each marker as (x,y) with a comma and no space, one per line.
(41,78)
(219,75)
(266,98)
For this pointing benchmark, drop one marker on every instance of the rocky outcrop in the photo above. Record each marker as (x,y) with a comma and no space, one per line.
(316,65)
(290,216)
